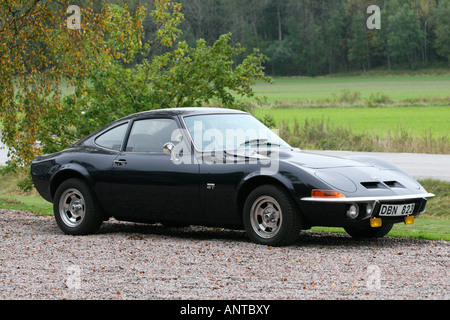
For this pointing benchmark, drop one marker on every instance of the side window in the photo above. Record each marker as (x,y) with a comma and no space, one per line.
(150,135)
(113,138)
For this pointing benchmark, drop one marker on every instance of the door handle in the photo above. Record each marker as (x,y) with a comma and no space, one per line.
(120,162)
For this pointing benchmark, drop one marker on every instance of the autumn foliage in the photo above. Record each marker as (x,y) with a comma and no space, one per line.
(58,84)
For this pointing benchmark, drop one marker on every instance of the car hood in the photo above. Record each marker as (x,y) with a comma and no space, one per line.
(299,158)
(316,161)
(349,175)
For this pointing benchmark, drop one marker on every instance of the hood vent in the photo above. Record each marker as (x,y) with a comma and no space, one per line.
(382,185)
(394,184)
(373,185)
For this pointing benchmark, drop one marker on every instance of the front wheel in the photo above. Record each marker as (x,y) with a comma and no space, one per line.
(271,217)
(75,208)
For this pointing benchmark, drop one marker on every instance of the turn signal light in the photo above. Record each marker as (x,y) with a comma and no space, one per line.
(326,194)
(376,223)
(409,220)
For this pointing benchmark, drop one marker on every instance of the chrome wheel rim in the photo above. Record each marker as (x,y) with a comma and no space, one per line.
(266,217)
(72,207)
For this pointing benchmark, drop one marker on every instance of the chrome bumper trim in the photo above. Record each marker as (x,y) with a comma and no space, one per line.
(368,199)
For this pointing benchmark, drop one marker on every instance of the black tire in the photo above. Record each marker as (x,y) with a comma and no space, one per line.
(368,232)
(75,208)
(271,217)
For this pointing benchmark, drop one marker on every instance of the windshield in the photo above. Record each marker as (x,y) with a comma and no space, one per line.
(218,132)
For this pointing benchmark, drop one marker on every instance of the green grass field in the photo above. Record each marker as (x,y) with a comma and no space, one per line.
(418,121)
(395,113)
(295,90)
(419,104)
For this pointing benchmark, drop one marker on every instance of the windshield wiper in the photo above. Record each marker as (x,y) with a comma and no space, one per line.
(259,142)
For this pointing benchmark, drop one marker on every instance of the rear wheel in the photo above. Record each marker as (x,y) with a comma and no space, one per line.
(271,217)
(369,232)
(75,209)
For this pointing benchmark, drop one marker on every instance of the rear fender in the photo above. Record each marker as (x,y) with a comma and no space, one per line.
(68,171)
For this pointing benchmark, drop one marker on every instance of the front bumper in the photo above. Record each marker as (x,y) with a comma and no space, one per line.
(332,212)
(369,199)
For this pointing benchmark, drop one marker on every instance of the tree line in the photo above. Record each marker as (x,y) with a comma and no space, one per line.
(316,37)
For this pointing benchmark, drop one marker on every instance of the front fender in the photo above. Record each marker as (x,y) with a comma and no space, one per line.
(255,179)
(277,178)
(298,182)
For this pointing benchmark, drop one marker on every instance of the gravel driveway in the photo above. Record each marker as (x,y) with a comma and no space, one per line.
(134,261)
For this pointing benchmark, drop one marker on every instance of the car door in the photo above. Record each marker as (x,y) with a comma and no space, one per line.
(98,161)
(146,183)
(219,180)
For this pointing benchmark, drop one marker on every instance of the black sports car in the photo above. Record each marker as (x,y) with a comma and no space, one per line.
(219,168)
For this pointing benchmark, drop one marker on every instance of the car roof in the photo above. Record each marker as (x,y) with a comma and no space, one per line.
(183,112)
(170,112)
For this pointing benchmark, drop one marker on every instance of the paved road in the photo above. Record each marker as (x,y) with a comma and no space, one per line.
(436,166)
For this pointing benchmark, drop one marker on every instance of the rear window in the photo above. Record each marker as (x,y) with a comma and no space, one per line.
(112,139)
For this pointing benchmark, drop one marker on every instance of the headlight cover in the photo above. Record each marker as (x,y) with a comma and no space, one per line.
(336,180)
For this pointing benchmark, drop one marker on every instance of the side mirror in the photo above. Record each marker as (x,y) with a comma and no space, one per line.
(169,149)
